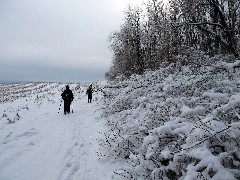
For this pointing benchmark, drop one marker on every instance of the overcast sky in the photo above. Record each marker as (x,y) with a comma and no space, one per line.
(57,40)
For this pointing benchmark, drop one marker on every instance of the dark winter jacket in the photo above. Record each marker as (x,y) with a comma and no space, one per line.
(67,95)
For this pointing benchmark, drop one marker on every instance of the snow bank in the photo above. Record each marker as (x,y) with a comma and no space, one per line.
(176,123)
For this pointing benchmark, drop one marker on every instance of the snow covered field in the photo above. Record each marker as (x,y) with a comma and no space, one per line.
(38,143)
(174,123)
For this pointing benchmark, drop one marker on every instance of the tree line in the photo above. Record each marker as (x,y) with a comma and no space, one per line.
(155,34)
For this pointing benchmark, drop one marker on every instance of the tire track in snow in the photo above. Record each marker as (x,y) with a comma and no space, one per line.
(77,154)
(69,168)
(81,160)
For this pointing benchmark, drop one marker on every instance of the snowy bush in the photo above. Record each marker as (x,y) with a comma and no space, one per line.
(176,123)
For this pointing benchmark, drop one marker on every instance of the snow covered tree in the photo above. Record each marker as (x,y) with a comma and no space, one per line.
(156,35)
(159,35)
(209,25)
(126,45)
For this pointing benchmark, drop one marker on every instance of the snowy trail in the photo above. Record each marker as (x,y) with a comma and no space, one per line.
(46,145)
(84,147)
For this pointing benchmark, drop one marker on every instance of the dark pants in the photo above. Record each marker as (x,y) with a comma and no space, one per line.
(89,97)
(67,106)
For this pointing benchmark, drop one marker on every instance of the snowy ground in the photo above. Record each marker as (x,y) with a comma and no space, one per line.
(42,144)
(175,123)
(178,122)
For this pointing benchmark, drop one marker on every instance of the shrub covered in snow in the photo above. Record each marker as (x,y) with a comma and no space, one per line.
(176,123)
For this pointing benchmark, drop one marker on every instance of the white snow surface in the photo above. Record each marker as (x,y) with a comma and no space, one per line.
(173,123)
(38,143)
(178,122)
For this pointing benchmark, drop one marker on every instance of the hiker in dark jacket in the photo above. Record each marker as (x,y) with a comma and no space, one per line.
(89,93)
(67,96)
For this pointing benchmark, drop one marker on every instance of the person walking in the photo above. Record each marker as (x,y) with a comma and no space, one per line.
(67,97)
(89,93)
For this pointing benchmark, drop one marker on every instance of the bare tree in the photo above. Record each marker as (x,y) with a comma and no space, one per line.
(214,24)
(126,45)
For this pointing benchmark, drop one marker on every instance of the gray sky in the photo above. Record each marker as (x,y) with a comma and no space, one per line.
(57,40)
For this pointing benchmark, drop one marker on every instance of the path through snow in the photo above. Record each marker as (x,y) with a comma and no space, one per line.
(45,145)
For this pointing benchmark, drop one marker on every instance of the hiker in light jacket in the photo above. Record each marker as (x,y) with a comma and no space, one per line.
(89,93)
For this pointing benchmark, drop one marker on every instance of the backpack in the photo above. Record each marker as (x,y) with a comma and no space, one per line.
(67,95)
(89,90)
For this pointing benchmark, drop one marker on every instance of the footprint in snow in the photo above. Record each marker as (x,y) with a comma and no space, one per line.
(68,165)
